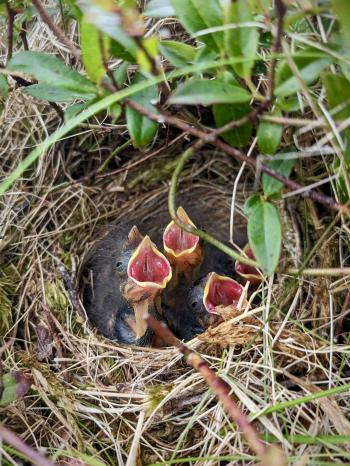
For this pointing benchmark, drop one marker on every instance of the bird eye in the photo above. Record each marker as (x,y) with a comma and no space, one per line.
(119,266)
(195,305)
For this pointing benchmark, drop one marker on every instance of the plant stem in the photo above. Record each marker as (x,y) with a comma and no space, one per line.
(190,228)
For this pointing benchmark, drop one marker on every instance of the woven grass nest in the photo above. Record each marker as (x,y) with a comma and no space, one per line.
(127,405)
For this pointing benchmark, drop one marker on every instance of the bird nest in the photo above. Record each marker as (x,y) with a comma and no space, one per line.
(94,399)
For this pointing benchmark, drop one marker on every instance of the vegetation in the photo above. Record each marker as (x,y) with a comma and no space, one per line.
(244,103)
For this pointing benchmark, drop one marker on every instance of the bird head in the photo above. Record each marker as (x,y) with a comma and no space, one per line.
(182,248)
(221,291)
(148,273)
(249,273)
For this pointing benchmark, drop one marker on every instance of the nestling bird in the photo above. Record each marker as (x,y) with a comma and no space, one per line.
(198,307)
(190,259)
(122,276)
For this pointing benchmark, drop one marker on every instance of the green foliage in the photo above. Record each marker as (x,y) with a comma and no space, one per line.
(57,82)
(208,92)
(196,15)
(94,49)
(142,130)
(159,8)
(178,54)
(241,41)
(264,234)
(309,70)
(269,135)
(224,113)
(4,87)
(284,167)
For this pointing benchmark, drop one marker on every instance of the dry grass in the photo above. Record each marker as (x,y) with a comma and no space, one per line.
(107,404)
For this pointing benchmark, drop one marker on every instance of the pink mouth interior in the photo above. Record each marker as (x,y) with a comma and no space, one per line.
(179,240)
(148,266)
(246,269)
(222,293)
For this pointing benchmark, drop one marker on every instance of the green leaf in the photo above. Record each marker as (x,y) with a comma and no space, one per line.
(92,56)
(282,166)
(338,94)
(264,235)
(142,130)
(108,18)
(342,10)
(208,92)
(151,46)
(121,73)
(44,91)
(15,386)
(309,70)
(269,135)
(119,51)
(250,202)
(4,87)
(49,69)
(159,9)
(241,41)
(223,114)
(73,110)
(177,53)
(195,15)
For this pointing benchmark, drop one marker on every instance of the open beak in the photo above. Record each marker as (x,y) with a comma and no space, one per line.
(149,272)
(221,291)
(249,273)
(182,248)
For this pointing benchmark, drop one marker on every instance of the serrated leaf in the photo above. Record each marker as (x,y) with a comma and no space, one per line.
(282,166)
(90,43)
(208,92)
(142,130)
(177,53)
(4,86)
(50,69)
(223,114)
(44,91)
(195,15)
(264,235)
(15,385)
(159,9)
(241,41)
(269,135)
(309,70)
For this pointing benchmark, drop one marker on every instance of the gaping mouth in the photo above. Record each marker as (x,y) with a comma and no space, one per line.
(221,291)
(177,241)
(247,271)
(148,267)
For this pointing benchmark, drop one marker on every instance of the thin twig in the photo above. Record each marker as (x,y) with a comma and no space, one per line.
(11,19)
(281,10)
(12,439)
(221,388)
(55,29)
(238,155)
(23,35)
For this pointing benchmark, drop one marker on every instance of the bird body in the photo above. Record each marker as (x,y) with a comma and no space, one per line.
(104,274)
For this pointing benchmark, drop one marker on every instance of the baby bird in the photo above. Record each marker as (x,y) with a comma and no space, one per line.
(199,307)
(122,276)
(190,259)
